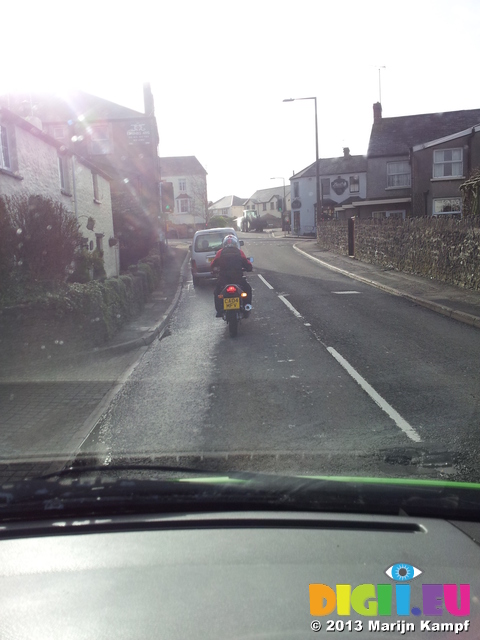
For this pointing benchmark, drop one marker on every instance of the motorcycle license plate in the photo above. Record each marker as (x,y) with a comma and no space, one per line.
(231,303)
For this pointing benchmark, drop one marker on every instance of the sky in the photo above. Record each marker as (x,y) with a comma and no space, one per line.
(220,70)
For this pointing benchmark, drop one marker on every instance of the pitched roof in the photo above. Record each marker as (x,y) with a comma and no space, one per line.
(61,148)
(395,136)
(228,201)
(334,166)
(265,195)
(50,107)
(180,166)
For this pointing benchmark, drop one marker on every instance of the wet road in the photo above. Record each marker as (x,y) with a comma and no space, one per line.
(327,375)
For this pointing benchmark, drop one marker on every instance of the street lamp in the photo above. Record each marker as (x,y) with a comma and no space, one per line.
(284,203)
(317,170)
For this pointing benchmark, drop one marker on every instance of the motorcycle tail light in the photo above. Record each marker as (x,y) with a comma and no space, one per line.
(243,295)
(231,289)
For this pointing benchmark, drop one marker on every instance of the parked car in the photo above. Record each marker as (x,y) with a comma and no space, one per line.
(205,245)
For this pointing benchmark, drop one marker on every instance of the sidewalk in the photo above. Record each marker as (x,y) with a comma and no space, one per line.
(49,406)
(457,303)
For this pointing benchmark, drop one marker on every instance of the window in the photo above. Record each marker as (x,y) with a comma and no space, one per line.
(100,140)
(325,186)
(63,173)
(264,204)
(448,163)
(5,162)
(184,205)
(182,184)
(398,174)
(354,184)
(272,205)
(58,133)
(96,193)
(99,242)
(452,206)
(296,189)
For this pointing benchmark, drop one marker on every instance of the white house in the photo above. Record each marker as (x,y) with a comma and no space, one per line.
(34,163)
(189,181)
(228,206)
(269,202)
(343,181)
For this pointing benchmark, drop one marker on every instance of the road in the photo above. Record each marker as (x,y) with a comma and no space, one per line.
(328,375)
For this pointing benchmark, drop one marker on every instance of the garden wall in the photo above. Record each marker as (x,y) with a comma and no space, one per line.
(440,248)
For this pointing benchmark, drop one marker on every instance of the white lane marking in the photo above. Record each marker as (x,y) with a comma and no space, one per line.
(344,293)
(291,307)
(264,281)
(383,404)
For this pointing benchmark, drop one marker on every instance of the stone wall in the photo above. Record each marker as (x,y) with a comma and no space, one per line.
(440,248)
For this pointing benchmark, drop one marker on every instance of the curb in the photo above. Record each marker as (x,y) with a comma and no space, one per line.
(460,316)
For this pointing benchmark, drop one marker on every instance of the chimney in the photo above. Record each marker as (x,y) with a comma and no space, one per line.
(346,152)
(148,100)
(377,113)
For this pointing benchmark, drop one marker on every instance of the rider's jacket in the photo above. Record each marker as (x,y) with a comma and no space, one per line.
(230,262)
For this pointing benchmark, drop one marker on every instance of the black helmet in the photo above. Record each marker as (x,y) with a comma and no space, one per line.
(230,241)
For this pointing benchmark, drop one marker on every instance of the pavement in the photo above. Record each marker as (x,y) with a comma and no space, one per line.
(75,388)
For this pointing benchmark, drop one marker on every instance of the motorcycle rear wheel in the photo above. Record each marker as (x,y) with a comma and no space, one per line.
(233,325)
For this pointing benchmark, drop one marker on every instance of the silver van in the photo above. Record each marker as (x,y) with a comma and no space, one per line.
(205,245)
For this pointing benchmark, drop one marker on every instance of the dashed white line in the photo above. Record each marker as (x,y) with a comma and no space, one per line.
(291,307)
(264,281)
(344,293)
(377,398)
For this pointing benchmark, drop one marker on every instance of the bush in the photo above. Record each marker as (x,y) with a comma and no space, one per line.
(218,221)
(48,236)
(88,265)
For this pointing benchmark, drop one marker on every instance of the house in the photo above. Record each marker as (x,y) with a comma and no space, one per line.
(343,182)
(270,203)
(189,180)
(229,206)
(439,168)
(33,163)
(121,141)
(396,143)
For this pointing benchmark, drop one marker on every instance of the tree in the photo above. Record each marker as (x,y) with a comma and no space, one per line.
(46,236)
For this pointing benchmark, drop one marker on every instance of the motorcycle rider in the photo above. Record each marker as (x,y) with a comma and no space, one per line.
(230,261)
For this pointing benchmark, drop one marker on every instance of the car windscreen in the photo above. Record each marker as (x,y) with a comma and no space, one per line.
(209,242)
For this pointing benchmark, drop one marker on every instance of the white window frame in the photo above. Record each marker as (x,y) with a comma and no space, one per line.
(63,173)
(399,174)
(296,189)
(182,185)
(100,140)
(354,181)
(5,149)
(59,133)
(96,191)
(184,205)
(437,201)
(440,164)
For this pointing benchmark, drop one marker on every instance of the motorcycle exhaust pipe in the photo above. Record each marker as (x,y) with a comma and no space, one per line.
(248,307)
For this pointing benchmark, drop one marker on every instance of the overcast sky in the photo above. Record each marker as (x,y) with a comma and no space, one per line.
(219,71)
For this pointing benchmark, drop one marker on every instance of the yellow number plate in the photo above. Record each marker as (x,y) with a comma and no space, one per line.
(231,303)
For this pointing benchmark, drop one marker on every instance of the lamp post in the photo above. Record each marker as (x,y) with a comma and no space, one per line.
(317,169)
(284,202)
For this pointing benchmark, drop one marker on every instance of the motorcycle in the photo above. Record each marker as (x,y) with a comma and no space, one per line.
(235,307)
